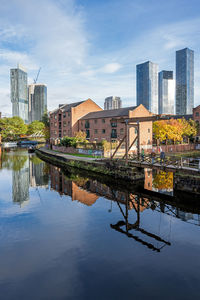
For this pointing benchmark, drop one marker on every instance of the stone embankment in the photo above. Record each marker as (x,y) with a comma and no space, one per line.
(108,168)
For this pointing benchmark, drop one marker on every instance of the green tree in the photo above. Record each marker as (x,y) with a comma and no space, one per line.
(12,128)
(45,119)
(36,127)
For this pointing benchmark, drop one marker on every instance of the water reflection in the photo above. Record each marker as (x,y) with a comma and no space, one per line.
(159,181)
(27,171)
(87,191)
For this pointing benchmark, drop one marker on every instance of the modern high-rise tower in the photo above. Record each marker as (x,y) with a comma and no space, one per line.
(184,81)
(112,102)
(19,94)
(37,95)
(166,93)
(147,85)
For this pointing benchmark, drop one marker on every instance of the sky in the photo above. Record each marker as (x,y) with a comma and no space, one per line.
(90,48)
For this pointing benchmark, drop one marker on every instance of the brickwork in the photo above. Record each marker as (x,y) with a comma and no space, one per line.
(64,120)
(196,117)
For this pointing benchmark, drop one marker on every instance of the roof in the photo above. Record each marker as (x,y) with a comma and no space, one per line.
(67,107)
(110,113)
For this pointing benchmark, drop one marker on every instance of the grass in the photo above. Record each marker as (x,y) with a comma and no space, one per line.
(78,154)
(193,153)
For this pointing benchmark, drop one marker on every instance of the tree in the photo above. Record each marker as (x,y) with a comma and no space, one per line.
(36,127)
(12,128)
(45,119)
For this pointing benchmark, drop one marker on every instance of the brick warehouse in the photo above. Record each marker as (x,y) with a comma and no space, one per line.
(196,117)
(64,120)
(97,123)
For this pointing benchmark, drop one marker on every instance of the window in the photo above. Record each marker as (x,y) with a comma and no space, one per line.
(87,124)
(64,132)
(149,130)
(64,124)
(55,124)
(68,122)
(103,120)
(103,131)
(87,134)
(121,130)
(113,124)
(95,121)
(68,114)
(114,133)
(64,115)
(96,131)
(55,132)
(135,130)
(55,117)
(148,141)
(197,114)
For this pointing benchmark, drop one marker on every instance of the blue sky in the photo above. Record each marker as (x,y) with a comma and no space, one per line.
(90,48)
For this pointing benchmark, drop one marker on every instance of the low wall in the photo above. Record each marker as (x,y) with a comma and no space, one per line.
(176,148)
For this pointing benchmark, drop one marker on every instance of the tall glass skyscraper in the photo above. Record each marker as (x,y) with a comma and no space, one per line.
(37,101)
(166,93)
(147,85)
(19,93)
(184,81)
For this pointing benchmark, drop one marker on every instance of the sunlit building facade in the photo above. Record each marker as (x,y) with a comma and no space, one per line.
(19,93)
(184,81)
(147,85)
(166,93)
(37,95)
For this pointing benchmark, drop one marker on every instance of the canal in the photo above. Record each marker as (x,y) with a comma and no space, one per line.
(69,235)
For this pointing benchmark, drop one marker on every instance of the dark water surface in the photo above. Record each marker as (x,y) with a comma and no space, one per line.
(68,236)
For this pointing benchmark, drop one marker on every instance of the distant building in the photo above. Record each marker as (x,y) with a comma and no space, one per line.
(147,86)
(166,93)
(37,95)
(112,102)
(19,93)
(184,81)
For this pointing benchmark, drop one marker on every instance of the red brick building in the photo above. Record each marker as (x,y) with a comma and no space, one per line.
(196,117)
(98,125)
(64,120)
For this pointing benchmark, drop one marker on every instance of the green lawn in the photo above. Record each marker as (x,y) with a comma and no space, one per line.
(78,154)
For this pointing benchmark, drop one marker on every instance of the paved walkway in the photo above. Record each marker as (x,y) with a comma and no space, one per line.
(69,156)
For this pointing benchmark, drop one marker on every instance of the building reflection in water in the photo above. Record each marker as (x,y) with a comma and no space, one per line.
(131,205)
(159,181)
(27,171)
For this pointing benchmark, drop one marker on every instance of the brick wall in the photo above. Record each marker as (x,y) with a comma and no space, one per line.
(196,116)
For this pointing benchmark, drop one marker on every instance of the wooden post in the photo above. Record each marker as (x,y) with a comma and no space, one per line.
(127,139)
(138,144)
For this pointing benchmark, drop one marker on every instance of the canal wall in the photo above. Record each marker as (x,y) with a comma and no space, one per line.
(108,168)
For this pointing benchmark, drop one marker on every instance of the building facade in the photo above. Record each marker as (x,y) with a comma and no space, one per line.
(112,102)
(196,118)
(147,85)
(184,81)
(19,93)
(64,120)
(37,96)
(166,93)
(101,125)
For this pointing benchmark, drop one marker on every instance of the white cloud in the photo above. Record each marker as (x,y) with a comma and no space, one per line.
(111,68)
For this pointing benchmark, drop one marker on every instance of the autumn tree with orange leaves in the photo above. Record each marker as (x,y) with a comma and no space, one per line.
(174,129)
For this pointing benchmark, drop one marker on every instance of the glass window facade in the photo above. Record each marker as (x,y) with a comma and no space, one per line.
(166,94)
(147,85)
(37,101)
(19,93)
(184,81)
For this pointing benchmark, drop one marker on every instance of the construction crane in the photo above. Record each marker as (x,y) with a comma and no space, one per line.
(35,80)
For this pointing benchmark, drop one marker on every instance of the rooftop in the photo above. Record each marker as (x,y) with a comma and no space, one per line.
(110,113)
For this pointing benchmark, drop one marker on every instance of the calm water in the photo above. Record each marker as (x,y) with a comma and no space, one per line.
(68,236)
